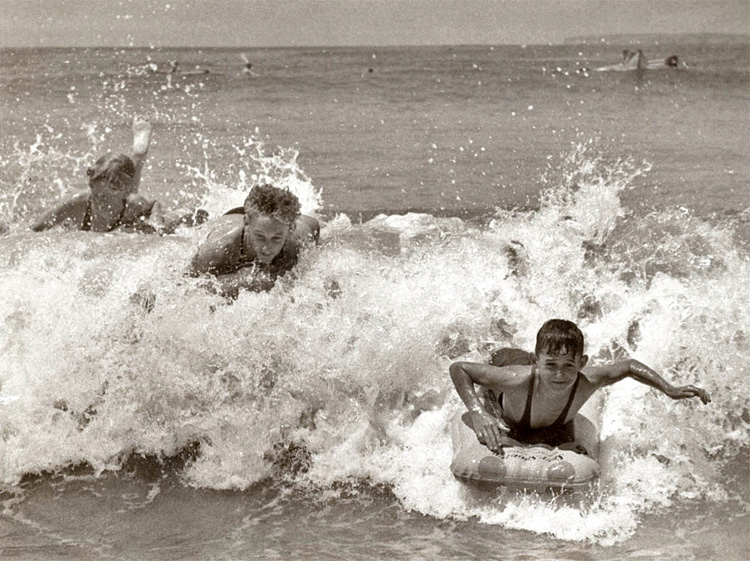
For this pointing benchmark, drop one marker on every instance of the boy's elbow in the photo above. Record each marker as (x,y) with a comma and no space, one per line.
(44,223)
(196,267)
(316,232)
(456,370)
(313,229)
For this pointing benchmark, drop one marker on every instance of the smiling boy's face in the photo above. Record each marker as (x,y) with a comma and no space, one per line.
(559,370)
(266,235)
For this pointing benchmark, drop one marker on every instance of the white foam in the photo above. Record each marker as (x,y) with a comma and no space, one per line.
(361,378)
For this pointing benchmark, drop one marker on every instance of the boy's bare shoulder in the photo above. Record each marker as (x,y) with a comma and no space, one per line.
(603,374)
(307,228)
(221,249)
(309,221)
(136,206)
(82,197)
(515,375)
(75,203)
(226,228)
(501,377)
(69,213)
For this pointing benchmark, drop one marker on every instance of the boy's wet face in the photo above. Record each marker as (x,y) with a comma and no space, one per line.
(112,190)
(266,235)
(112,177)
(559,370)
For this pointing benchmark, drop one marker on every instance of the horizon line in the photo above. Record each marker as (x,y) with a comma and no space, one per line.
(568,41)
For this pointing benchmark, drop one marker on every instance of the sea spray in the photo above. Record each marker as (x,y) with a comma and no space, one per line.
(353,382)
(627,307)
(254,164)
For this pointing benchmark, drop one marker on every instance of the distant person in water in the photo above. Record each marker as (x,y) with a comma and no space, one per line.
(175,68)
(250,247)
(248,66)
(537,405)
(636,60)
(112,201)
(642,61)
(631,60)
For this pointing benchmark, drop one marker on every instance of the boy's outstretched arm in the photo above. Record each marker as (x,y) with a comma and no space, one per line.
(464,375)
(70,211)
(508,356)
(606,375)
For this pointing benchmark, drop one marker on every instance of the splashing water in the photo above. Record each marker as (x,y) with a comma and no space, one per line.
(254,166)
(355,379)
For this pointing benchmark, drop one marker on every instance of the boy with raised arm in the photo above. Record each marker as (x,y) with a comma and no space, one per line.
(536,405)
(112,201)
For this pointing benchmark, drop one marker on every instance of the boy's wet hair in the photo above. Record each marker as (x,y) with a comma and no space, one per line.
(559,336)
(282,204)
(112,167)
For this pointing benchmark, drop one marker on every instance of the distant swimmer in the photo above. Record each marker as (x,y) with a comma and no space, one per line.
(175,68)
(248,70)
(631,60)
(250,247)
(112,201)
(636,60)
(669,62)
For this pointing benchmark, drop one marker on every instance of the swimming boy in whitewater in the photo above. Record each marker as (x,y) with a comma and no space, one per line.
(112,201)
(537,405)
(251,246)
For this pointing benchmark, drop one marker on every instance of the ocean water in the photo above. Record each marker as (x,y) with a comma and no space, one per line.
(311,422)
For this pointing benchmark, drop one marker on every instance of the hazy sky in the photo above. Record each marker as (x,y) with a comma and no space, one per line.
(250,23)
